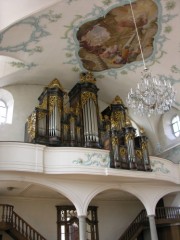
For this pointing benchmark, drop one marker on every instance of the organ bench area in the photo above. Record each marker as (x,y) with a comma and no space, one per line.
(73,119)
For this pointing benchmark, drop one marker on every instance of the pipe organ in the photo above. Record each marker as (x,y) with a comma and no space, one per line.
(83,99)
(78,123)
(127,151)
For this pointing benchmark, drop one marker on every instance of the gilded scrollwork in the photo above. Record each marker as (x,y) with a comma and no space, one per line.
(54,100)
(123,152)
(139,154)
(87,77)
(118,100)
(85,96)
(41,115)
(129,136)
(31,125)
(117,120)
(77,109)
(114,123)
(114,141)
(43,105)
(55,84)
(144,145)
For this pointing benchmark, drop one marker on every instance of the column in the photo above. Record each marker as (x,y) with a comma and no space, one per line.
(82,227)
(153,229)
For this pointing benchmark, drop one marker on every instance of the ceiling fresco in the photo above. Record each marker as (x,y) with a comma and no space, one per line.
(111,41)
(73,36)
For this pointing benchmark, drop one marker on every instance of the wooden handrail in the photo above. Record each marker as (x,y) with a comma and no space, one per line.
(25,229)
(134,226)
(7,215)
(162,213)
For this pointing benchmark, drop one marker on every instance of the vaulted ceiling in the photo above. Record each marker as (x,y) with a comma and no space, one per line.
(59,39)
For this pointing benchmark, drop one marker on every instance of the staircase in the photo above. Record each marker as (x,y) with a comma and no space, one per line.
(164,215)
(15,226)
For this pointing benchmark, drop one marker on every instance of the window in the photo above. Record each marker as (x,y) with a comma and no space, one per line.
(176,125)
(3,112)
(68,223)
(6,107)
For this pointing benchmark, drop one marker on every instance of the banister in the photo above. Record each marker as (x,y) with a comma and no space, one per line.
(7,215)
(6,211)
(162,213)
(134,226)
(25,229)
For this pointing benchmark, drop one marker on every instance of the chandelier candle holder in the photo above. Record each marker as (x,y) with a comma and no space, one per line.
(151,96)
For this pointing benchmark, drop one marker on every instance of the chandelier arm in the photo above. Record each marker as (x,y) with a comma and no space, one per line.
(136,29)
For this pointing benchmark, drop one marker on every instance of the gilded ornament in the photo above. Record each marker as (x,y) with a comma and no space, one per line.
(128,122)
(118,115)
(106,117)
(85,96)
(142,131)
(43,105)
(31,126)
(117,120)
(54,100)
(114,124)
(55,84)
(129,136)
(144,145)
(66,110)
(117,100)
(123,151)
(41,115)
(139,154)
(87,77)
(114,141)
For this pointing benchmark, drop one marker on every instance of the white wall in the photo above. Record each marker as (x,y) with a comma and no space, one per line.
(114,216)
(25,100)
(172,200)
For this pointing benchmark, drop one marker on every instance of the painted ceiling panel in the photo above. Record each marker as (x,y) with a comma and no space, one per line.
(111,41)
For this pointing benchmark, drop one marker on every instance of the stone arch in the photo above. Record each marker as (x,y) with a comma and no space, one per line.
(103,188)
(53,185)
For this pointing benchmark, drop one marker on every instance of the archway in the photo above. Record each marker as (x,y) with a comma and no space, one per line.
(116,211)
(168,216)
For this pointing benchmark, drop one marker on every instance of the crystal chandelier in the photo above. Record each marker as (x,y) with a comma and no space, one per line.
(151,96)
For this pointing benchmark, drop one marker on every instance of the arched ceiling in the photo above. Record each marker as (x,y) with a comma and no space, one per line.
(68,37)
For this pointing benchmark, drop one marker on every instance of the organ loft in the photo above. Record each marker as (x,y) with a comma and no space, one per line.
(73,120)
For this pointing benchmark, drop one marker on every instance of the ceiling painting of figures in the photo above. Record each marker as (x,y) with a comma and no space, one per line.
(111,41)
